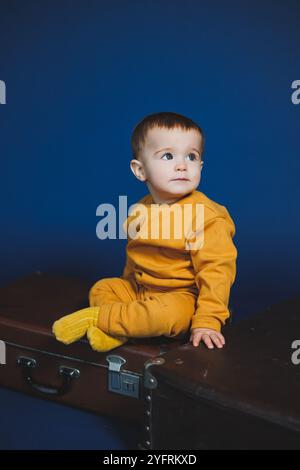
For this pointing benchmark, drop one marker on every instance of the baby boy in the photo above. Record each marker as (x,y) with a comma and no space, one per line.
(170,284)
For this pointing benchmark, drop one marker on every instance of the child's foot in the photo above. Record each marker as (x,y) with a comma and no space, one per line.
(72,327)
(102,342)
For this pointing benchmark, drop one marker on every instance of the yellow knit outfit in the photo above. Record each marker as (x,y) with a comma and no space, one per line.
(166,288)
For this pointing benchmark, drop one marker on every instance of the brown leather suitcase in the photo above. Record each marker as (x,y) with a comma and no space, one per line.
(245,396)
(35,363)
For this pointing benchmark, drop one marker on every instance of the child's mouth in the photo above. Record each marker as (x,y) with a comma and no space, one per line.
(180,179)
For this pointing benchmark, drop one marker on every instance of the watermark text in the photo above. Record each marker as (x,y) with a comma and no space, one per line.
(2,353)
(2,92)
(295,97)
(296,354)
(153,222)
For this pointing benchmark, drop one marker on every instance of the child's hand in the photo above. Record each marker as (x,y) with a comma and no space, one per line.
(208,336)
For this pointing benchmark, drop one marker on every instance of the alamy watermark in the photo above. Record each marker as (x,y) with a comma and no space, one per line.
(2,353)
(2,92)
(295,97)
(296,354)
(153,221)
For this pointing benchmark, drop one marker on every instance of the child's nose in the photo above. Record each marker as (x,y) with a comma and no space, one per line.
(180,165)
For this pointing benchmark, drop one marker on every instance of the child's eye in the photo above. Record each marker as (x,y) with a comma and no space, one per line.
(167,154)
(193,157)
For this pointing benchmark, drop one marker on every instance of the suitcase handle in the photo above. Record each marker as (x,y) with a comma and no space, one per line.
(67,373)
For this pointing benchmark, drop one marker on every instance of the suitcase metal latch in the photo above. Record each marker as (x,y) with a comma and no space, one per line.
(119,381)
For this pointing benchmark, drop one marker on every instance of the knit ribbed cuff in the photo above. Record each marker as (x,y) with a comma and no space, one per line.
(103,318)
(206,322)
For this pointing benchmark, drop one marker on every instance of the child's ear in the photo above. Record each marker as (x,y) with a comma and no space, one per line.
(137,169)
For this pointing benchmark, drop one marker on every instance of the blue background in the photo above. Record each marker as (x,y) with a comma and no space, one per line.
(29,423)
(80,75)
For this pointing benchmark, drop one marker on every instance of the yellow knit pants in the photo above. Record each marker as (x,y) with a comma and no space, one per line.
(131,310)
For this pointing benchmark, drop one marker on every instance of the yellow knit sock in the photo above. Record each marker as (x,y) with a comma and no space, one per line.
(72,327)
(102,342)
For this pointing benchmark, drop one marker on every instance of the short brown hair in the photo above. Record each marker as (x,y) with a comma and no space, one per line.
(167,120)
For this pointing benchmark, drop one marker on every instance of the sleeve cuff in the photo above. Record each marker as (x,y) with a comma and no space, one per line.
(103,318)
(199,321)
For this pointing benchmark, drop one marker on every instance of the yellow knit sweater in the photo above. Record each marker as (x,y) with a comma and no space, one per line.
(167,261)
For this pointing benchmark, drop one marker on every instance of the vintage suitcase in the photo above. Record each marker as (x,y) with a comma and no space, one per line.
(34,362)
(245,396)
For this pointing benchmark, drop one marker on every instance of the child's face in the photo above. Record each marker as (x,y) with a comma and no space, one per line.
(170,163)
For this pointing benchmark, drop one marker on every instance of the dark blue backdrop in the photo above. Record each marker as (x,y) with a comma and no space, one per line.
(80,75)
